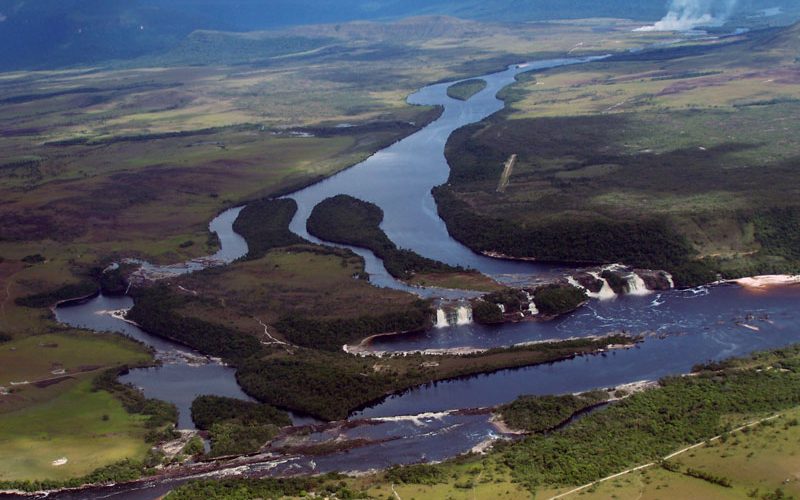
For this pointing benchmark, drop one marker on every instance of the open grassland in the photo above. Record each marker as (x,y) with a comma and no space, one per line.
(49,414)
(34,358)
(457,281)
(757,462)
(49,411)
(134,159)
(31,366)
(89,429)
(290,283)
(699,140)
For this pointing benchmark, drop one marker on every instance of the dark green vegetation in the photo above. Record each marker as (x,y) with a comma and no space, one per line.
(649,244)
(300,375)
(332,334)
(327,486)
(113,281)
(659,162)
(348,220)
(209,410)
(265,225)
(486,313)
(554,300)
(66,292)
(417,474)
(466,89)
(154,311)
(237,427)
(539,414)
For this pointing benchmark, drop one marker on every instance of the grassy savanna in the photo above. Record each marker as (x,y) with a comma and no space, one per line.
(297,282)
(466,89)
(59,416)
(757,462)
(464,280)
(700,141)
(89,429)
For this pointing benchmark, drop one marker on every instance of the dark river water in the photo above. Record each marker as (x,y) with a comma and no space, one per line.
(399,179)
(681,328)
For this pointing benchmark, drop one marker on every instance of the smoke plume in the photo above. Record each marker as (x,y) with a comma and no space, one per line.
(685,15)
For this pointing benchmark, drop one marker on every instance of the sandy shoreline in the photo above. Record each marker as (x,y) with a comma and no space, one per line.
(767,281)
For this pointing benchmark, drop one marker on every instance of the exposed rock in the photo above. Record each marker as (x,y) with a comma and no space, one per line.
(655,280)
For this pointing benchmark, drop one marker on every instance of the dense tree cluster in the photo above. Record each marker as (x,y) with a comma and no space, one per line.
(417,474)
(466,89)
(332,334)
(264,224)
(209,410)
(327,386)
(155,312)
(545,413)
(554,300)
(234,438)
(330,385)
(327,486)
(486,313)
(66,292)
(350,221)
(646,244)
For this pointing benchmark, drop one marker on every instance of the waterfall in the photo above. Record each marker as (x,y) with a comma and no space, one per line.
(572,281)
(636,285)
(464,315)
(532,309)
(441,319)
(502,308)
(606,292)
(669,279)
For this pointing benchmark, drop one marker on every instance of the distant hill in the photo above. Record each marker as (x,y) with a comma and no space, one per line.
(57,33)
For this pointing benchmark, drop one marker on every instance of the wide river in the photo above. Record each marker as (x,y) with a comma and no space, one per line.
(682,328)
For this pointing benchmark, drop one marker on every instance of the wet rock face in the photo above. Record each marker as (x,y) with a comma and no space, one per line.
(589,282)
(617,280)
(655,280)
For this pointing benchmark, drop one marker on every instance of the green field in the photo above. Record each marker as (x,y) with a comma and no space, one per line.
(82,356)
(89,429)
(757,462)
